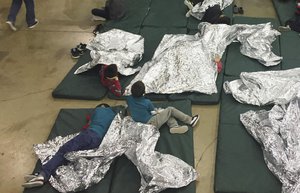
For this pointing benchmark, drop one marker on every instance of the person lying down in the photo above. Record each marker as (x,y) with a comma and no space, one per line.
(109,136)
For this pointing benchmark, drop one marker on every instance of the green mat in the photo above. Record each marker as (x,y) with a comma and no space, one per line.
(290,46)
(85,86)
(152,36)
(193,22)
(237,63)
(284,10)
(166,13)
(240,166)
(123,176)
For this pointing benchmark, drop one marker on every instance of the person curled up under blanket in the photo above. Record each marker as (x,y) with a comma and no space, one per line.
(89,138)
(142,110)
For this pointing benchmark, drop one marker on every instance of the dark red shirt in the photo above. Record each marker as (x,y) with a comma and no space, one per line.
(113,85)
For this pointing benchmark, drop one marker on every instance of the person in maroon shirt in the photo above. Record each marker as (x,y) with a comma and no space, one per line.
(109,78)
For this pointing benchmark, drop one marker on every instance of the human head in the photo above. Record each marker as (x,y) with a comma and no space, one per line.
(138,89)
(111,71)
(103,105)
(223,20)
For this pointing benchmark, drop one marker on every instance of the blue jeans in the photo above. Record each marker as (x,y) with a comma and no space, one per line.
(15,8)
(85,140)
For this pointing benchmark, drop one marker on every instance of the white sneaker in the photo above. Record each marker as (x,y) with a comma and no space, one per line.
(284,28)
(179,129)
(11,25)
(188,4)
(188,14)
(98,18)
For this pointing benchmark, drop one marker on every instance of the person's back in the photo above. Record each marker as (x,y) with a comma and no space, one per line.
(140,108)
(101,120)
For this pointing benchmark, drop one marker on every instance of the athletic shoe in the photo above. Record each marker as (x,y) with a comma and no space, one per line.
(75,53)
(29,177)
(33,184)
(34,24)
(188,4)
(284,28)
(98,18)
(81,47)
(11,25)
(194,120)
(188,14)
(179,129)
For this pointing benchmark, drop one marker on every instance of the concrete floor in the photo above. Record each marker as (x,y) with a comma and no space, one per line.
(34,61)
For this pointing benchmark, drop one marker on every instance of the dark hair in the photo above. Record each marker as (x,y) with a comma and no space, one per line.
(224,20)
(111,71)
(138,89)
(103,105)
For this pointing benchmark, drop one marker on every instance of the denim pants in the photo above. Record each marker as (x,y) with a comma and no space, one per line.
(87,139)
(169,116)
(15,8)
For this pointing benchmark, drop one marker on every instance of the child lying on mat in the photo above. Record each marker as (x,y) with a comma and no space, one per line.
(142,110)
(109,78)
(89,138)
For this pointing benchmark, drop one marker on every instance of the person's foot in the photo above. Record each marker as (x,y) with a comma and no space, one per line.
(284,28)
(98,18)
(194,120)
(11,25)
(188,14)
(34,24)
(179,129)
(188,4)
(75,53)
(33,181)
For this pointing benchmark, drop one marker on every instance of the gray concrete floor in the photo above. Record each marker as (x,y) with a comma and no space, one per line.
(34,61)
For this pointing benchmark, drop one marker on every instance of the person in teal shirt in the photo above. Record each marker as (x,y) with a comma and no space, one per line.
(142,110)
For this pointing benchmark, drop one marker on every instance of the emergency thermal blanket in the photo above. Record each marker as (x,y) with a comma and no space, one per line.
(115,47)
(199,9)
(137,141)
(278,133)
(185,63)
(267,87)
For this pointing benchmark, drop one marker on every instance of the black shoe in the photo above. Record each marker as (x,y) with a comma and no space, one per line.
(194,121)
(241,10)
(75,53)
(235,9)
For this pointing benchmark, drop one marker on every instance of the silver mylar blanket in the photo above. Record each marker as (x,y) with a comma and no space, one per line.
(278,133)
(199,9)
(137,141)
(261,88)
(115,47)
(183,63)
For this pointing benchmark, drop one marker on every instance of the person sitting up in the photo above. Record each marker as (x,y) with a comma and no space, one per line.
(89,138)
(113,10)
(213,15)
(109,78)
(142,110)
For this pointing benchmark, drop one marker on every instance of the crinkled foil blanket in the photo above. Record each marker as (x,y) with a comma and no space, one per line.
(184,63)
(261,88)
(137,141)
(115,47)
(199,9)
(278,133)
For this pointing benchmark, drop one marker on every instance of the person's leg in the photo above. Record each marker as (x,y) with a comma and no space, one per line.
(100,14)
(14,10)
(85,140)
(30,14)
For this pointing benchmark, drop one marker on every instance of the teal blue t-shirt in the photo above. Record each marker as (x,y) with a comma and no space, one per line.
(101,120)
(139,108)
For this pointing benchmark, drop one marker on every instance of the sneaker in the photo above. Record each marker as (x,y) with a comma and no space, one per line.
(194,120)
(11,25)
(179,129)
(81,47)
(29,177)
(188,14)
(34,24)
(188,4)
(98,18)
(33,184)
(284,28)
(75,53)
